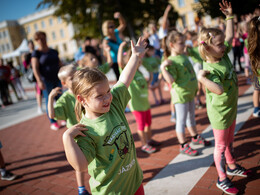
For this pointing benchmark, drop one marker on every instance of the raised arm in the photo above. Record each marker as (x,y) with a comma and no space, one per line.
(106,49)
(129,71)
(226,9)
(120,54)
(165,16)
(74,155)
(122,22)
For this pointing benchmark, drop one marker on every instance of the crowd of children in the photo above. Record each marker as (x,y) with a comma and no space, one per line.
(99,140)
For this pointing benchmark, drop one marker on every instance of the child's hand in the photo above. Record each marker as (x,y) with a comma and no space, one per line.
(139,48)
(202,74)
(123,44)
(55,92)
(106,47)
(226,8)
(75,130)
(168,8)
(165,63)
(117,15)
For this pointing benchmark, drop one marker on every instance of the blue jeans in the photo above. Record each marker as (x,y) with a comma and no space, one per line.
(49,85)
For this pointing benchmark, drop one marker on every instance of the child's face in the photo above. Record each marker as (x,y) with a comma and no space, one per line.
(68,81)
(90,60)
(178,46)
(217,48)
(151,52)
(99,100)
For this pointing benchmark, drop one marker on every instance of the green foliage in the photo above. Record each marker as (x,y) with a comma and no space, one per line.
(87,16)
(240,7)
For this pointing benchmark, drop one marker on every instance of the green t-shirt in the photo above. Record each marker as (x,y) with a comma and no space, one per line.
(104,68)
(64,109)
(151,64)
(222,109)
(138,90)
(109,149)
(194,54)
(185,85)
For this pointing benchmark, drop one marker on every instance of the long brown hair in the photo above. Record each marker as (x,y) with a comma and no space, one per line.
(254,44)
(82,83)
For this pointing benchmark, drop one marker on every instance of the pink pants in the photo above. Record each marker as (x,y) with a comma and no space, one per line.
(223,152)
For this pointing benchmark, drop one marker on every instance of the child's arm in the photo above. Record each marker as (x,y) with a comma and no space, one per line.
(165,16)
(226,9)
(129,71)
(74,155)
(167,76)
(122,22)
(107,53)
(210,85)
(120,53)
(52,95)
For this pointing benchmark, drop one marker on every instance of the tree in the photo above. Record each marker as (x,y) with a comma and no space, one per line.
(87,15)
(240,7)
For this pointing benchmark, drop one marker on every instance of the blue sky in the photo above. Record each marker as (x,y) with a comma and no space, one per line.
(15,9)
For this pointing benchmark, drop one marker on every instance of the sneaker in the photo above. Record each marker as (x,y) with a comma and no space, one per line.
(8,176)
(227,186)
(148,149)
(188,150)
(154,143)
(200,141)
(173,118)
(127,110)
(55,126)
(238,171)
(85,192)
(256,114)
(63,123)
(39,110)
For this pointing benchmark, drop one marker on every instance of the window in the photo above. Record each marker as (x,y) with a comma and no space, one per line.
(35,27)
(183,19)
(59,20)
(3,48)
(61,33)
(4,34)
(0,35)
(181,3)
(50,21)
(43,24)
(28,29)
(7,47)
(53,35)
(64,47)
(196,1)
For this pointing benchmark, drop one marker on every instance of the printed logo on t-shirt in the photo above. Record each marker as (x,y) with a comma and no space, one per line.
(121,139)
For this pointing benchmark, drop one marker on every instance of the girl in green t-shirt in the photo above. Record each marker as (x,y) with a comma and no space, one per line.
(178,71)
(104,143)
(220,79)
(253,50)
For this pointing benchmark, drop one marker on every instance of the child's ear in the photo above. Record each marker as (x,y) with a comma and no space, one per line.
(63,83)
(80,99)
(171,44)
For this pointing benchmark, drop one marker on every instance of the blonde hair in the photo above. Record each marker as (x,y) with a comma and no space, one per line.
(254,44)
(172,37)
(105,26)
(66,71)
(83,82)
(205,38)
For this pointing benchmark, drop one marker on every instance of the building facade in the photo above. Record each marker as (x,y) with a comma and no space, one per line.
(59,33)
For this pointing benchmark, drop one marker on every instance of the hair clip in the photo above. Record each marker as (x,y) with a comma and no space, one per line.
(202,42)
(211,35)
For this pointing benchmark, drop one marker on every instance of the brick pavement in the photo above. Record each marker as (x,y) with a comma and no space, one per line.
(36,153)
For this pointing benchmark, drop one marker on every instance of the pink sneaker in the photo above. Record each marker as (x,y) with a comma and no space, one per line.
(55,126)
(63,123)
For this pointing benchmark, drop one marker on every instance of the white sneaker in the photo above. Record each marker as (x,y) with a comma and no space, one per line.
(63,123)
(256,114)
(55,126)
(40,111)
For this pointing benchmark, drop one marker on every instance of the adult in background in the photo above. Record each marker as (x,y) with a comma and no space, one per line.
(46,65)
(113,38)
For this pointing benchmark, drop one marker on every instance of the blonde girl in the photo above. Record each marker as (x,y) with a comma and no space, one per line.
(107,148)
(178,72)
(220,80)
(254,53)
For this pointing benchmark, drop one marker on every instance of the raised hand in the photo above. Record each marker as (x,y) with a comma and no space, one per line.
(75,130)
(226,8)
(140,48)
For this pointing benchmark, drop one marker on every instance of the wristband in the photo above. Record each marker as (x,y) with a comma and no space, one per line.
(228,18)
